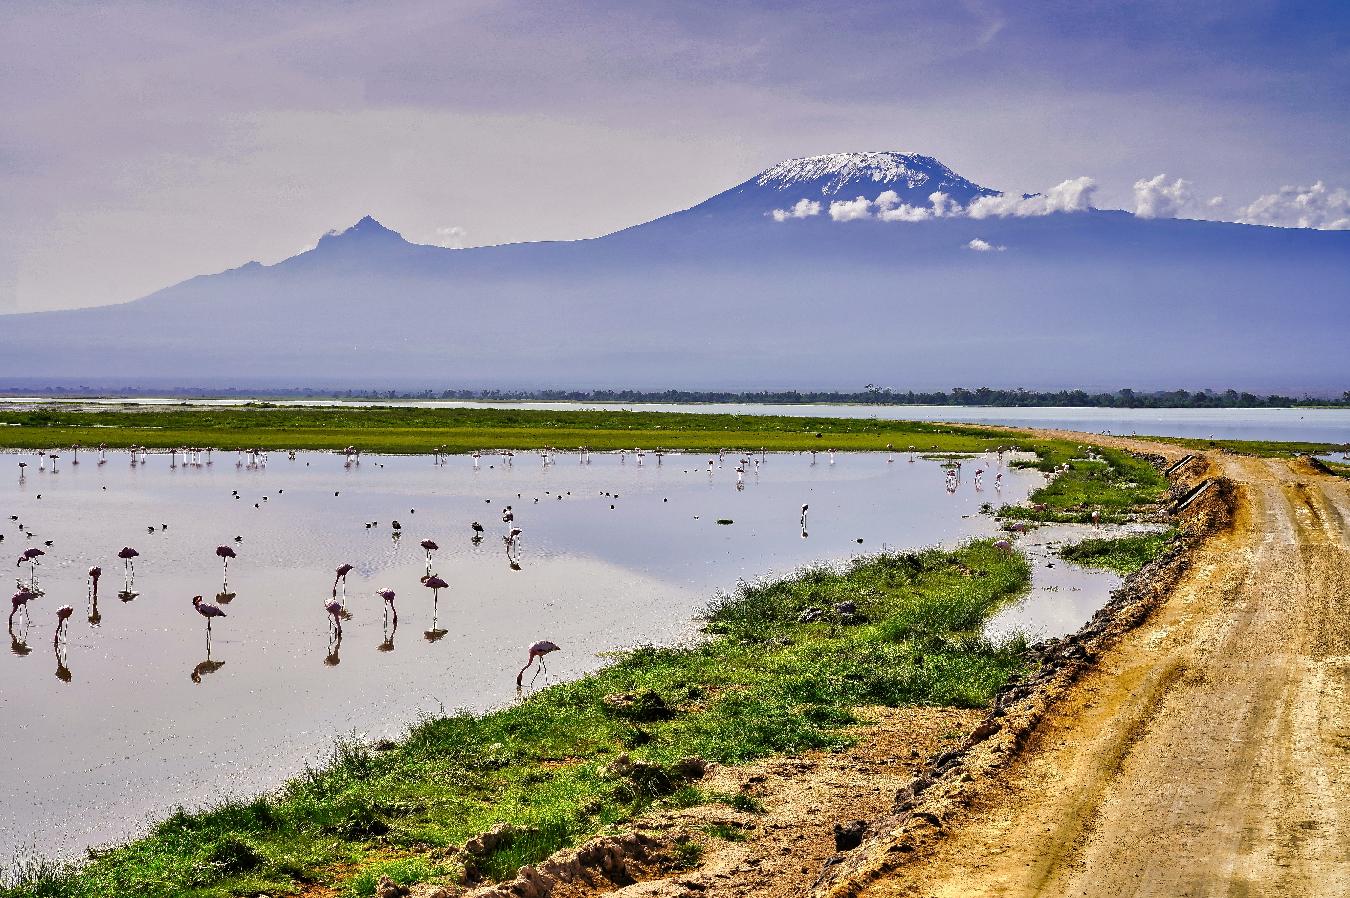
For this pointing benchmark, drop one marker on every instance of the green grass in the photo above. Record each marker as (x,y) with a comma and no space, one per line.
(762,683)
(1122,554)
(1110,481)
(415,430)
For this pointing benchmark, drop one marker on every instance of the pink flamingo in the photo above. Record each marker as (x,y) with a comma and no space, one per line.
(94,574)
(435,584)
(128,554)
(1003,545)
(430,546)
(334,608)
(225,553)
(537,650)
(62,618)
(388,595)
(19,600)
(342,571)
(207,610)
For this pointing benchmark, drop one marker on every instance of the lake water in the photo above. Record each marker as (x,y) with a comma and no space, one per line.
(136,716)
(1283,424)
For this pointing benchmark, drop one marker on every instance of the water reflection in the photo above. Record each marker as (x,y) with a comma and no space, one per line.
(390,628)
(18,634)
(59,647)
(332,659)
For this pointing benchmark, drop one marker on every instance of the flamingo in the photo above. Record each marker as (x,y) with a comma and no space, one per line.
(435,584)
(207,610)
(30,557)
(19,600)
(477,529)
(513,542)
(341,575)
(430,546)
(388,595)
(805,508)
(537,650)
(1003,545)
(334,608)
(94,616)
(62,618)
(225,553)
(128,554)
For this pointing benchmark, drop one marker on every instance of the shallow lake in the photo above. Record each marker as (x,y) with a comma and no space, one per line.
(136,717)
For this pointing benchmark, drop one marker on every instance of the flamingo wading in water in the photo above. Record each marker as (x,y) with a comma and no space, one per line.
(207,610)
(388,595)
(537,650)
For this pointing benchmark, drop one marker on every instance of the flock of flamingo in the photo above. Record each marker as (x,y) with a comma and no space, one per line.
(335,606)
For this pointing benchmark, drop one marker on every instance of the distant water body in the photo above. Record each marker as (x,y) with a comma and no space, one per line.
(1283,424)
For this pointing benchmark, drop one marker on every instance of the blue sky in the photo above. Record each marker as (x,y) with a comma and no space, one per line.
(144,143)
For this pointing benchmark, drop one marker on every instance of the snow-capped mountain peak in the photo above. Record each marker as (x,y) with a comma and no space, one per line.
(831,174)
(913,177)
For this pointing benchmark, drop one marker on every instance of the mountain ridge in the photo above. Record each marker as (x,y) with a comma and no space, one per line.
(722,295)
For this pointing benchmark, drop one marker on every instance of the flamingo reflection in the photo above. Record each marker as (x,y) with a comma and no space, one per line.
(390,628)
(60,649)
(332,659)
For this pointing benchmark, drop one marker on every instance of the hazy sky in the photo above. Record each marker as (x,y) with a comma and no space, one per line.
(143,143)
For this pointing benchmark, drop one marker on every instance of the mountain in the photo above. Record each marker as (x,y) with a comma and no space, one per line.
(978,287)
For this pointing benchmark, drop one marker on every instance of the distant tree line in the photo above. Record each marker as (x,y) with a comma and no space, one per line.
(871,394)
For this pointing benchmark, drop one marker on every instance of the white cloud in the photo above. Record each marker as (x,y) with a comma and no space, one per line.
(943,205)
(453,237)
(1155,198)
(1074,195)
(851,210)
(980,245)
(803,208)
(905,212)
(1301,207)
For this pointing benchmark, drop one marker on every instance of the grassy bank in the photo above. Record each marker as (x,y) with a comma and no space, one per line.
(1123,554)
(1259,448)
(416,430)
(784,664)
(1109,481)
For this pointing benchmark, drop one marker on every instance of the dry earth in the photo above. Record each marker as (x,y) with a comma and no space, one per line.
(1195,742)
(1206,753)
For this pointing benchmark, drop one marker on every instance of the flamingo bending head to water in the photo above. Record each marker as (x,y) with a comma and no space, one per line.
(388,595)
(334,608)
(537,650)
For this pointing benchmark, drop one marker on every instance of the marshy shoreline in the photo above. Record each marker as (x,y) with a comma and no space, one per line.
(650,724)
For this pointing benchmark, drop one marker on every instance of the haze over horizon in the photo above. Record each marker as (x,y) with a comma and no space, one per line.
(171,142)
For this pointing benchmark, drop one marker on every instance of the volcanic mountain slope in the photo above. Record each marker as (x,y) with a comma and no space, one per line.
(786,280)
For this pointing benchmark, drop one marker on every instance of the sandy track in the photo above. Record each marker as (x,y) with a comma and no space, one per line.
(1208,752)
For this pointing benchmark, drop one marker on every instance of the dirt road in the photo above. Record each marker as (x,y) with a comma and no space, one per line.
(1208,752)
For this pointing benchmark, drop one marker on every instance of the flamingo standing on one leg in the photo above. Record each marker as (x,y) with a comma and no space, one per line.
(208,611)
(388,595)
(94,574)
(225,553)
(537,650)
